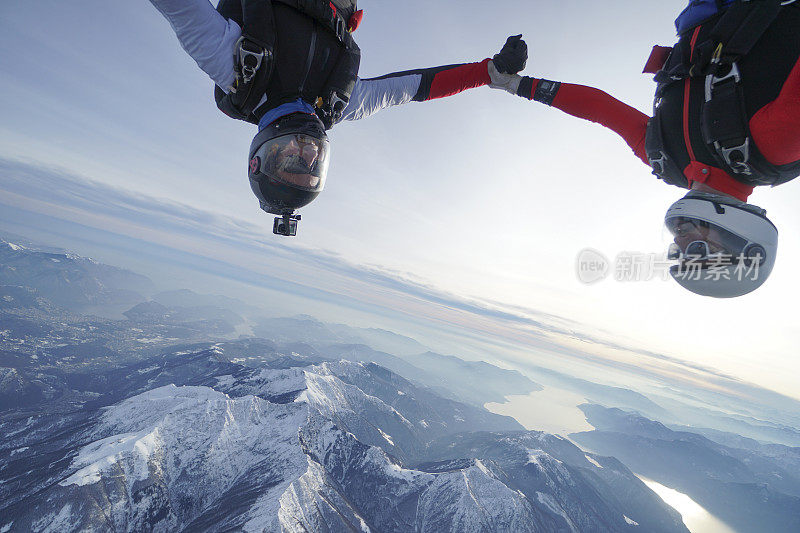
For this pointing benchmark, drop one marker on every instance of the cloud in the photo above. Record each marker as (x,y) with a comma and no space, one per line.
(89,202)
(237,249)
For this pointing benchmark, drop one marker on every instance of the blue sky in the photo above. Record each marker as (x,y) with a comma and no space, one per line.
(103,92)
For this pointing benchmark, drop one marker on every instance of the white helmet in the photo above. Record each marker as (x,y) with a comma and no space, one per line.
(724,247)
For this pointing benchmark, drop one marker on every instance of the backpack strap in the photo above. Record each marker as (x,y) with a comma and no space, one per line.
(664,167)
(737,30)
(339,86)
(253,61)
(724,116)
(725,128)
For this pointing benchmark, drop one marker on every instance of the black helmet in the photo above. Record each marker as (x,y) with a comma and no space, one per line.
(289,162)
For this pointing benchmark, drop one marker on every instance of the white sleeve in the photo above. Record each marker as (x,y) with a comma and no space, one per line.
(372,95)
(205,35)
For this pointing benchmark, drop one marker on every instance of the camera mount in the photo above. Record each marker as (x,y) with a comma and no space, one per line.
(286,225)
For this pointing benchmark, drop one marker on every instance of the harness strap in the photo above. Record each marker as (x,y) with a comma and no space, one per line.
(339,86)
(252,60)
(751,30)
(736,32)
(724,123)
(664,167)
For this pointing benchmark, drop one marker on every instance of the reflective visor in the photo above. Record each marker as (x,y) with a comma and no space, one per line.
(300,161)
(699,239)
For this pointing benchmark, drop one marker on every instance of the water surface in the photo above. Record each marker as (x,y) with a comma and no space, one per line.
(552,410)
(696,518)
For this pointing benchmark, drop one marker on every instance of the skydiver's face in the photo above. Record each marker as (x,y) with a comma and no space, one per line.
(687,231)
(296,161)
(302,147)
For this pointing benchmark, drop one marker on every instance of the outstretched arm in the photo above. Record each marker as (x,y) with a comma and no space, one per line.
(373,94)
(205,35)
(590,104)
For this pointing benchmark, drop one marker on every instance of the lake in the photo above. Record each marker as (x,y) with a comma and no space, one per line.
(552,410)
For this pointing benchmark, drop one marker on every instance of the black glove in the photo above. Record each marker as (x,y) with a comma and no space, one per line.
(512,57)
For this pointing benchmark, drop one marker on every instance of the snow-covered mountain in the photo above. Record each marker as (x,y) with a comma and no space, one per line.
(340,446)
(69,280)
(155,423)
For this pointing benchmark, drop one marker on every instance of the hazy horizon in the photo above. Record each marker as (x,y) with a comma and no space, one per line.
(182,247)
(120,151)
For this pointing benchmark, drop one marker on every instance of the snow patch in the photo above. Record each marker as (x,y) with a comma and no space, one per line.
(482,467)
(6,528)
(303,398)
(18,450)
(148,369)
(423,423)
(386,436)
(537,457)
(15,247)
(595,463)
(101,455)
(396,471)
(330,394)
(401,393)
(629,521)
(8,298)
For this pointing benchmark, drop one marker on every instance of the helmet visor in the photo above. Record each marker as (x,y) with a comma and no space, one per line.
(297,160)
(699,240)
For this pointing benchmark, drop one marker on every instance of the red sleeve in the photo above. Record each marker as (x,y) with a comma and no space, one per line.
(775,126)
(458,78)
(447,80)
(597,106)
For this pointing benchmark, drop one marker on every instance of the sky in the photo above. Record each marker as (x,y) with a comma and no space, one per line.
(483,196)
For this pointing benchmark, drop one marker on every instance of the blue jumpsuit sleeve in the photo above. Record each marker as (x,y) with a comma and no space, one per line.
(205,35)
